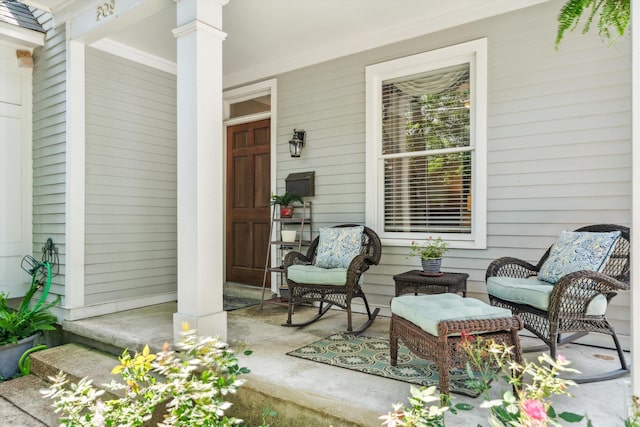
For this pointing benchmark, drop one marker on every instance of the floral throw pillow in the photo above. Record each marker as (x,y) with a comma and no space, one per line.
(575,251)
(338,246)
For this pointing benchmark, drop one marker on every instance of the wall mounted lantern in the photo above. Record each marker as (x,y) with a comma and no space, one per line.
(296,143)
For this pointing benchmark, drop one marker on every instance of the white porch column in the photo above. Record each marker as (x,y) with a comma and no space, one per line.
(635,206)
(200,168)
(75,171)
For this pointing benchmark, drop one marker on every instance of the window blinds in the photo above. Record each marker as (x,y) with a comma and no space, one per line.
(427,152)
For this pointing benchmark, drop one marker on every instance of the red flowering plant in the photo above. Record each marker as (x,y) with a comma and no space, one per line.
(528,405)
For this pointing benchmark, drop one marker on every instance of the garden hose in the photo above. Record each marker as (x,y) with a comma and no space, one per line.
(35,269)
(24,364)
(47,285)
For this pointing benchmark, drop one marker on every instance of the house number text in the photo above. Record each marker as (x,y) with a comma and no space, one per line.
(105,9)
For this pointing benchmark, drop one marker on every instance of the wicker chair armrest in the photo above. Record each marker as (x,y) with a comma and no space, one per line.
(295,258)
(359,264)
(572,294)
(511,267)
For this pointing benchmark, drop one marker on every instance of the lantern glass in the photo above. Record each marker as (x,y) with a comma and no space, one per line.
(295,147)
(296,143)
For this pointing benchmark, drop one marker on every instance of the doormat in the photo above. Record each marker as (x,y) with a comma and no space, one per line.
(371,356)
(236,303)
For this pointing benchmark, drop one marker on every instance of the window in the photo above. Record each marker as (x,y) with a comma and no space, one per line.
(426,146)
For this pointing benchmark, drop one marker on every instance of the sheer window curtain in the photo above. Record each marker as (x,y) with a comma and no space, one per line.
(426,152)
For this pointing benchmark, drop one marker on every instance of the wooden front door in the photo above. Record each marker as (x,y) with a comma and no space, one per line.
(248,196)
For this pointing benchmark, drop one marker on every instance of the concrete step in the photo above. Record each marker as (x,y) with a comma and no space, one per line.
(21,403)
(76,361)
(293,387)
(22,395)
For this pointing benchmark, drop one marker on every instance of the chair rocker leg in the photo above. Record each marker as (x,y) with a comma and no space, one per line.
(535,348)
(624,367)
(559,342)
(570,338)
(317,317)
(372,317)
(604,376)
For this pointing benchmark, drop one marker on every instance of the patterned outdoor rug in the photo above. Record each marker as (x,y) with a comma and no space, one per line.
(371,356)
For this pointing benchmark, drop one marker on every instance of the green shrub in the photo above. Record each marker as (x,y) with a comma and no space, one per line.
(189,385)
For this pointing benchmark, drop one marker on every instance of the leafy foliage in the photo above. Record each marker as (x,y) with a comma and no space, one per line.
(634,417)
(442,121)
(528,406)
(422,413)
(193,382)
(20,323)
(285,200)
(613,17)
(431,249)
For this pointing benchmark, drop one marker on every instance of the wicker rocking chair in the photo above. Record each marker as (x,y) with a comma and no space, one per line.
(330,287)
(576,302)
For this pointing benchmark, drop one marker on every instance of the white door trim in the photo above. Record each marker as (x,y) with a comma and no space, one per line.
(245,93)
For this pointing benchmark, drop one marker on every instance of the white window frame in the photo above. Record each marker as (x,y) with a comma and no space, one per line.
(474,53)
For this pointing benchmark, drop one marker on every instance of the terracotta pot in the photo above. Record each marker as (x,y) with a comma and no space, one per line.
(286,211)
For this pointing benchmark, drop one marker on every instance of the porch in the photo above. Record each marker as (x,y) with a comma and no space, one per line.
(313,394)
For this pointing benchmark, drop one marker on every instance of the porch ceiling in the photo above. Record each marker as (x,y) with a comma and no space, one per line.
(271,37)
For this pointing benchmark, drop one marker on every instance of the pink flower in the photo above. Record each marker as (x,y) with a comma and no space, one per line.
(561,358)
(534,410)
(467,338)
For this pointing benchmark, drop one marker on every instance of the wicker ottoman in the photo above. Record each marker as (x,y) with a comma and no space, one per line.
(430,326)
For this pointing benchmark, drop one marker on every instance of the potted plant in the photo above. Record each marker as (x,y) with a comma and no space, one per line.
(19,328)
(285,201)
(430,253)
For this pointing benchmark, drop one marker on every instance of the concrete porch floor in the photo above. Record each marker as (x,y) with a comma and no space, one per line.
(354,396)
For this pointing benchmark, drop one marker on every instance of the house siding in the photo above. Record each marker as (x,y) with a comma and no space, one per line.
(131,228)
(49,143)
(559,141)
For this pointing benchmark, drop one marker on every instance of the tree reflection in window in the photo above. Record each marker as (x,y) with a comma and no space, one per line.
(427,149)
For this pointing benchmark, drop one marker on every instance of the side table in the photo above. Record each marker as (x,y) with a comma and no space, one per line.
(413,282)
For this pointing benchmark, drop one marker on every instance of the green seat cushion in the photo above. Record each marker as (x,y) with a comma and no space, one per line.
(314,275)
(426,311)
(575,251)
(534,293)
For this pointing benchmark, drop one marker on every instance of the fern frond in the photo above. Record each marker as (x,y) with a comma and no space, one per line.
(615,16)
(569,17)
(610,14)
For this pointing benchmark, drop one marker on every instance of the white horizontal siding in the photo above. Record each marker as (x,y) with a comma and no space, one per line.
(130,247)
(559,130)
(49,144)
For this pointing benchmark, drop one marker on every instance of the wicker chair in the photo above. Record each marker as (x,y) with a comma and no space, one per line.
(328,295)
(570,299)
